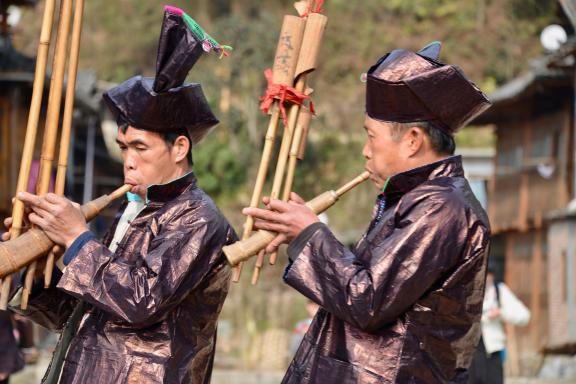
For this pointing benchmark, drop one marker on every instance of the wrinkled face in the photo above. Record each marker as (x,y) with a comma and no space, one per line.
(384,154)
(147,159)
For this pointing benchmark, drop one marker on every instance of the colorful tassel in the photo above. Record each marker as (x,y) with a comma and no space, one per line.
(174,10)
(208,42)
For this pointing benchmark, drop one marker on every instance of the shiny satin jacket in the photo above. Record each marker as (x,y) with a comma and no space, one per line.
(404,306)
(154,303)
(11,359)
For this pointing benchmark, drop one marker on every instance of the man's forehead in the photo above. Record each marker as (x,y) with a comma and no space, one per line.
(130,133)
(374,125)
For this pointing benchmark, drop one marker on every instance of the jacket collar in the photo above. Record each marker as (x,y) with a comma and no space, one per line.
(161,193)
(403,182)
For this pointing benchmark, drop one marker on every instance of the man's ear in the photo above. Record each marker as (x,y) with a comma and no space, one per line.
(413,141)
(180,148)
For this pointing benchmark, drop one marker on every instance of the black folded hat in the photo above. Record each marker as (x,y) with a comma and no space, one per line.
(405,87)
(164,103)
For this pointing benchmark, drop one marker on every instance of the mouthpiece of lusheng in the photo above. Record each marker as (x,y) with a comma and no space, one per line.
(30,246)
(244,249)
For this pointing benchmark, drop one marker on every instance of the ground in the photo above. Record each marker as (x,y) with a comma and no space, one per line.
(32,375)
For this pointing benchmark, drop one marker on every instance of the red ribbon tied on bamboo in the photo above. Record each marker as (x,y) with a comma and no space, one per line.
(282,93)
(311,9)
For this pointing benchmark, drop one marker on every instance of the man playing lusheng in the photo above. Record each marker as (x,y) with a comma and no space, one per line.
(150,292)
(404,306)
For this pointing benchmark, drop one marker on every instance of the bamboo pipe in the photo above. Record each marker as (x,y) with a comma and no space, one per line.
(31,133)
(32,245)
(281,166)
(52,120)
(307,60)
(244,249)
(285,62)
(297,151)
(67,120)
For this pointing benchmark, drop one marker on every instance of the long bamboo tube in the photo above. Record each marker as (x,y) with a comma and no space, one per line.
(67,120)
(285,62)
(296,152)
(311,41)
(31,133)
(32,245)
(244,249)
(313,35)
(281,166)
(52,120)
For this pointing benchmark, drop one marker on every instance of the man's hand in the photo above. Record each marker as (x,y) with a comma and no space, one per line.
(287,219)
(61,219)
(8,226)
(494,313)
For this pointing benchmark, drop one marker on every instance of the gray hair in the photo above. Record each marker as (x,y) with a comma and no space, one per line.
(441,142)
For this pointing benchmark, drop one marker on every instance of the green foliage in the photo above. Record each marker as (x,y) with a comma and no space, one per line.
(492,40)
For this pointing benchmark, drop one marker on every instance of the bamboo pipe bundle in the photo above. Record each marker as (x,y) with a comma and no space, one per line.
(285,62)
(67,120)
(32,245)
(313,34)
(244,249)
(52,120)
(31,133)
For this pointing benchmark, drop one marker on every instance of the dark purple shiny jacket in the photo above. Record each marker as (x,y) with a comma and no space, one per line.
(404,306)
(154,303)
(11,359)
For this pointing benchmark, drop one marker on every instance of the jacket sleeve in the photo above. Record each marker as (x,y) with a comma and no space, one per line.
(512,310)
(426,240)
(49,307)
(176,261)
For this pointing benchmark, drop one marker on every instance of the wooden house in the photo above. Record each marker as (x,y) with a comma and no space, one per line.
(533,176)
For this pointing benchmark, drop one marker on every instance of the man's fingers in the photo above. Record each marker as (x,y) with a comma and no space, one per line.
(263,214)
(38,220)
(53,198)
(41,212)
(33,200)
(294,197)
(275,244)
(6,236)
(269,226)
(279,205)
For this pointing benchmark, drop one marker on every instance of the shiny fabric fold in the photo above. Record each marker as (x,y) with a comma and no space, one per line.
(404,305)
(154,303)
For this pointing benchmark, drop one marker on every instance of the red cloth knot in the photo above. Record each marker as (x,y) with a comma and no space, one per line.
(282,93)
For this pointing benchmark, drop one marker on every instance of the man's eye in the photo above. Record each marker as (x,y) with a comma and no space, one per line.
(141,148)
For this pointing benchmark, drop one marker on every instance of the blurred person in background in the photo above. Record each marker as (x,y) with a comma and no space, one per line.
(302,326)
(500,306)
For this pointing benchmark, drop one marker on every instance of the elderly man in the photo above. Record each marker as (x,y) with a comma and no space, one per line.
(152,290)
(404,306)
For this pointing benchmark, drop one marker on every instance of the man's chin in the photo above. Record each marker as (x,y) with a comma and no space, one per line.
(378,183)
(137,190)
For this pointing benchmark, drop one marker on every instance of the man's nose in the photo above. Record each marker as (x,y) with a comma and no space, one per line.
(366,151)
(129,161)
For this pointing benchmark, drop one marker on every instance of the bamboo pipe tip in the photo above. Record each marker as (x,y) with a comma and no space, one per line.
(120,191)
